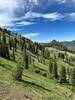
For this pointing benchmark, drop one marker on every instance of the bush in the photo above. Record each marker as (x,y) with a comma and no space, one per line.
(44,74)
(37,71)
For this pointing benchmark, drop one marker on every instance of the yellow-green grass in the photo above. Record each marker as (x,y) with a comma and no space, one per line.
(32,86)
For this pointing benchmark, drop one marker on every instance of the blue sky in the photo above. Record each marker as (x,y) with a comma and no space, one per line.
(39,20)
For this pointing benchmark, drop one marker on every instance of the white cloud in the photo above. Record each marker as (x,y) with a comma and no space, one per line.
(31,35)
(22,23)
(53,16)
(30,15)
(4,21)
(49,16)
(71,16)
(7,11)
(8,6)
(61,1)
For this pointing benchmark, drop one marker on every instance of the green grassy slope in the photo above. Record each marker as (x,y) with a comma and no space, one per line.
(32,86)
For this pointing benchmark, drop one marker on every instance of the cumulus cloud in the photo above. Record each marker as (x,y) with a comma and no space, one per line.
(13,11)
(8,10)
(21,10)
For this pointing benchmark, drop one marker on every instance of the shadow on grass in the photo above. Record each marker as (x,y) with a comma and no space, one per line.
(35,66)
(5,66)
(34,84)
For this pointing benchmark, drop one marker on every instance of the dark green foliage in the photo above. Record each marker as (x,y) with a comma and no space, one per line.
(4,51)
(63,79)
(51,67)
(22,43)
(43,52)
(18,74)
(55,56)
(39,46)
(33,49)
(44,74)
(13,54)
(4,38)
(9,42)
(61,55)
(55,70)
(4,48)
(73,77)
(26,62)
(36,48)
(15,43)
(25,58)
(47,53)
(37,71)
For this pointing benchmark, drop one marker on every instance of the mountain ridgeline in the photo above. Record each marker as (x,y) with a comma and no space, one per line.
(69,44)
(64,46)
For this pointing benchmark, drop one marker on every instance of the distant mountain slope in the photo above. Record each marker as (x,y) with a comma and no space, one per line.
(55,44)
(65,45)
(69,44)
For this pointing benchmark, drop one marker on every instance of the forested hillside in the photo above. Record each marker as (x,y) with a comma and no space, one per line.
(31,71)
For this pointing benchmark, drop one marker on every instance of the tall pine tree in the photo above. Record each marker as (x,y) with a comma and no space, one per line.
(62,79)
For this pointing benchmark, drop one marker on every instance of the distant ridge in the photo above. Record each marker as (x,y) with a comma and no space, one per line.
(70,44)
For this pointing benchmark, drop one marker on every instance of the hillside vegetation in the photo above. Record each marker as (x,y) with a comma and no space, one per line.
(30,71)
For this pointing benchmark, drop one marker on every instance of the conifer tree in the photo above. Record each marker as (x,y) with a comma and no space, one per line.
(55,70)
(19,71)
(63,75)
(50,67)
(25,58)
(15,43)
(73,77)
(26,62)
(9,42)
(4,38)
(13,54)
